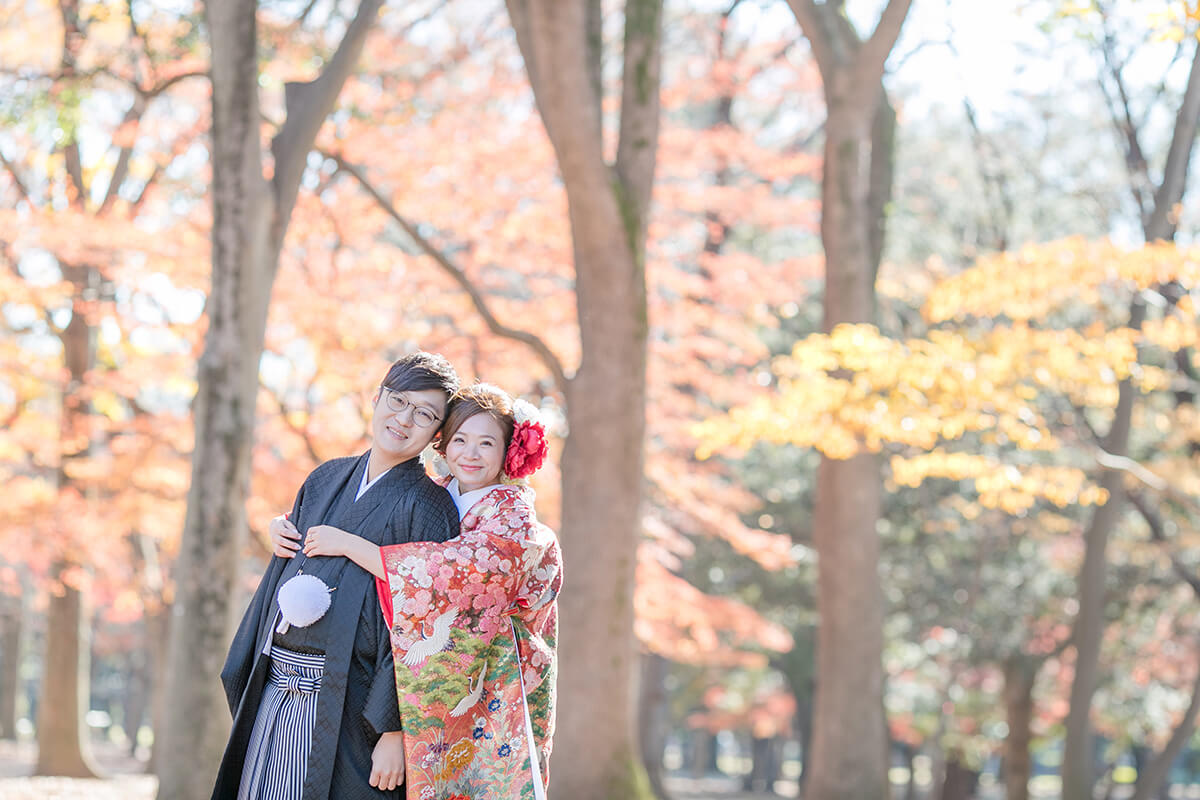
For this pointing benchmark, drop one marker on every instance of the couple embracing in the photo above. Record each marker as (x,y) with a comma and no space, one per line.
(402,640)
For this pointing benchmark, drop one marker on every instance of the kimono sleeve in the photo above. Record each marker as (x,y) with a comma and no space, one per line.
(382,708)
(484,574)
(244,647)
(433,518)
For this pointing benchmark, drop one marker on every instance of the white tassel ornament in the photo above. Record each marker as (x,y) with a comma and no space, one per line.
(303,599)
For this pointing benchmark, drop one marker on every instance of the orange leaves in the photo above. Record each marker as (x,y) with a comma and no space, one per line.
(768,712)
(678,621)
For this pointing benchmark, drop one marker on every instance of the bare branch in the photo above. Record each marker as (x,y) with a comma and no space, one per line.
(637,142)
(531,340)
(75,172)
(522,22)
(1158,534)
(11,168)
(1147,478)
(121,170)
(300,432)
(17,409)
(820,37)
(875,51)
(308,9)
(150,181)
(162,86)
(1122,111)
(1162,222)
(1152,775)
(308,104)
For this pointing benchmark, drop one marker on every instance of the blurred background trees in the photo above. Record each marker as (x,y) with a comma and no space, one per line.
(872,376)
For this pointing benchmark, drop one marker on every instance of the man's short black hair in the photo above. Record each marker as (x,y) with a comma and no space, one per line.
(420,371)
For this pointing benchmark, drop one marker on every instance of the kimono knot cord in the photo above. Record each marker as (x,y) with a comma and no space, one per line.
(298,683)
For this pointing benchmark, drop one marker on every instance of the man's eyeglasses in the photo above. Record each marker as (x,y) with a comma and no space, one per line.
(398,403)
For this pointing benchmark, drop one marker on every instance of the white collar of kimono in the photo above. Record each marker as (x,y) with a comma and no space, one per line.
(364,484)
(465,500)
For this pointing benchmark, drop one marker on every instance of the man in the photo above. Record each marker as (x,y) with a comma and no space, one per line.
(314,705)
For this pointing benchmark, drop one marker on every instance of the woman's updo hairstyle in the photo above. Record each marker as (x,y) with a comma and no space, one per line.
(478,398)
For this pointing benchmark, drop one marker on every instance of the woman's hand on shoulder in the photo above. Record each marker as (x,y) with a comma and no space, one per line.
(285,539)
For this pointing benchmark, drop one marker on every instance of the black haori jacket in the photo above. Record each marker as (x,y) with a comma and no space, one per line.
(357,700)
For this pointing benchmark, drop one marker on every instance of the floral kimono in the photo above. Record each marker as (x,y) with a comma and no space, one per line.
(474,622)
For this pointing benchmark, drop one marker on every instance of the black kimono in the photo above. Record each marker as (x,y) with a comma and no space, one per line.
(357,699)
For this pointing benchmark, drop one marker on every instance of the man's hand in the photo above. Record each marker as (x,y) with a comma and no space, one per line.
(387,761)
(285,539)
(326,540)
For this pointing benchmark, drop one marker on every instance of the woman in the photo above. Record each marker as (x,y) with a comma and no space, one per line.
(474,620)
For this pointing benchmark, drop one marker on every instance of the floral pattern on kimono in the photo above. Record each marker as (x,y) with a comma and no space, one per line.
(471,619)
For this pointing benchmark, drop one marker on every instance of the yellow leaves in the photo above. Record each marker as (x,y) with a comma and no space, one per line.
(1002,486)
(1032,282)
(856,389)
(991,381)
(110,405)
(1176,21)
(1173,332)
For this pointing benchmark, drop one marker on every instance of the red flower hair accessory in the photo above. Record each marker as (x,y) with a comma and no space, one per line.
(528,448)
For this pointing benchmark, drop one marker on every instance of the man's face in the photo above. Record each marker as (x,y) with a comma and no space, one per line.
(397,431)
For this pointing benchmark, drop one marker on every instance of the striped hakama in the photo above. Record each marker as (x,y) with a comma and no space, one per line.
(277,756)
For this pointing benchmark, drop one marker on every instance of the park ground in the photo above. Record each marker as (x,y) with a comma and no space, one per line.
(125,779)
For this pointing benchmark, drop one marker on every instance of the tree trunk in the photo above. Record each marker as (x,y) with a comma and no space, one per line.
(11,619)
(1019,676)
(1078,776)
(702,749)
(1077,766)
(210,551)
(960,781)
(763,770)
(602,463)
(602,474)
(157,636)
(137,692)
(849,759)
(61,733)
(64,696)
(1164,218)
(849,753)
(652,711)
(250,219)
(910,786)
(1153,778)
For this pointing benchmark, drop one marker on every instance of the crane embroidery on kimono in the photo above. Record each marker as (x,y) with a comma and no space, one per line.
(431,643)
(476,691)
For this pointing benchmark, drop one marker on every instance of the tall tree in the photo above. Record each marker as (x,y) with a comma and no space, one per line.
(850,741)
(250,218)
(85,173)
(528,238)
(608,206)
(1158,202)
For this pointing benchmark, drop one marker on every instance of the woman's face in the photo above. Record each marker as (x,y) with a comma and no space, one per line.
(475,453)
